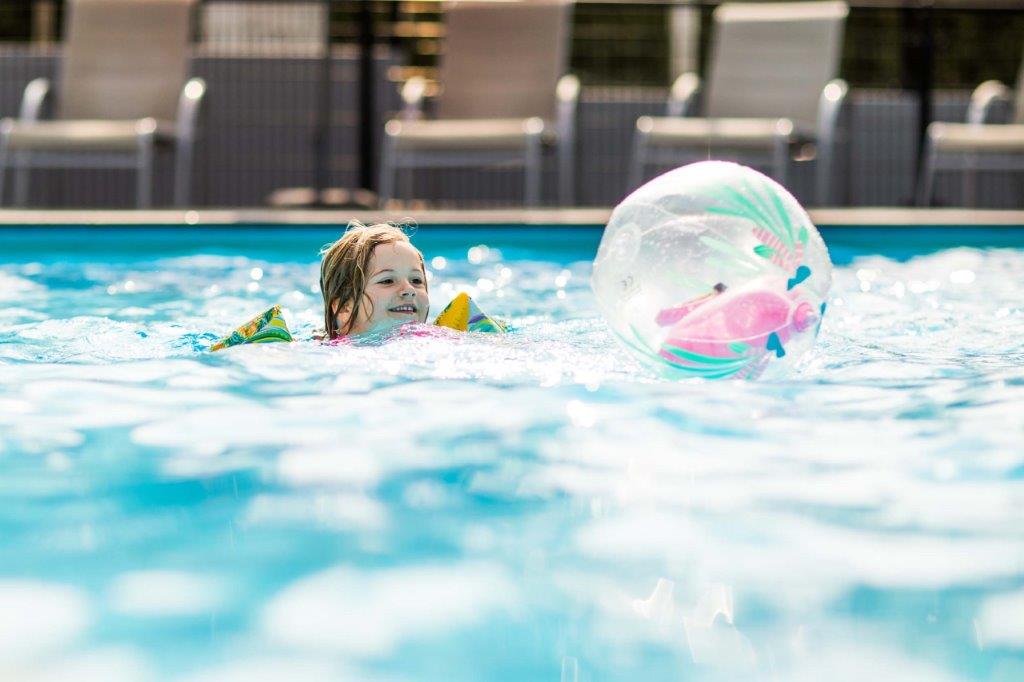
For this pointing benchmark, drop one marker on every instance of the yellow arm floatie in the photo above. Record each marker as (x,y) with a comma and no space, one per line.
(463,315)
(267,327)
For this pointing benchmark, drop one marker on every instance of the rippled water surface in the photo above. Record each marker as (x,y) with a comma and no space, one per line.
(534,506)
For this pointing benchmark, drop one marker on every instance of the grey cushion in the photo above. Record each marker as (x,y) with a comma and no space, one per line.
(744,133)
(465,134)
(83,135)
(964,137)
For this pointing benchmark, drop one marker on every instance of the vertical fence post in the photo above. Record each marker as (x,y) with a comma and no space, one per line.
(322,133)
(918,58)
(44,22)
(367,92)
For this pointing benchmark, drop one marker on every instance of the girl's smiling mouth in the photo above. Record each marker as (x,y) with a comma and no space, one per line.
(403,309)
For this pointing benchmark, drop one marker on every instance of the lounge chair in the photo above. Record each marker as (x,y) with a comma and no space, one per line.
(772,86)
(121,96)
(504,98)
(977,144)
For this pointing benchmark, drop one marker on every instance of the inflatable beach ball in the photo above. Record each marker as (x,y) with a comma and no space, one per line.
(712,270)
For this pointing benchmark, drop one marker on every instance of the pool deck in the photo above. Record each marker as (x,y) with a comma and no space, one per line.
(582,217)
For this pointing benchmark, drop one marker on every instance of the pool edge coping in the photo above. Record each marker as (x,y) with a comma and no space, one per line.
(571,217)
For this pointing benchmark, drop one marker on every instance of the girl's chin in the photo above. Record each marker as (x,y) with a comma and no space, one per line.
(386,330)
(387,323)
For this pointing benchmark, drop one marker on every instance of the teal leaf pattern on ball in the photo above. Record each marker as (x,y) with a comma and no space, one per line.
(758,203)
(686,364)
(802,273)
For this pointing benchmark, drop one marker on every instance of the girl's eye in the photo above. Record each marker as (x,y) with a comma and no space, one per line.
(417,280)
(386,281)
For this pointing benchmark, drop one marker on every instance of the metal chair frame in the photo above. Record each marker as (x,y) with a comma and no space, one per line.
(34,105)
(684,102)
(980,112)
(487,85)
(530,156)
(116,102)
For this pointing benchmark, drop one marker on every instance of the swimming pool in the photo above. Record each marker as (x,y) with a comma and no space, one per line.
(534,506)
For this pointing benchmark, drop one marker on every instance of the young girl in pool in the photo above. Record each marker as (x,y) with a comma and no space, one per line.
(371,279)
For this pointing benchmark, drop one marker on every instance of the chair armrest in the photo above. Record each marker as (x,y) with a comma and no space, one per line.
(984,98)
(567,95)
(682,98)
(414,92)
(830,104)
(567,98)
(34,100)
(830,107)
(567,91)
(189,107)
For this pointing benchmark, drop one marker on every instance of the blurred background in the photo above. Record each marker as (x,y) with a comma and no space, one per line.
(298,94)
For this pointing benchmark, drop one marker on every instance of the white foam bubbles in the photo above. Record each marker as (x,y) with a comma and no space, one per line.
(203,431)
(14,288)
(334,467)
(856,659)
(260,668)
(334,511)
(38,617)
(158,593)
(1001,620)
(348,611)
(123,664)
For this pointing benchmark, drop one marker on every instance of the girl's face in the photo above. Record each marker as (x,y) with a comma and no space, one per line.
(396,290)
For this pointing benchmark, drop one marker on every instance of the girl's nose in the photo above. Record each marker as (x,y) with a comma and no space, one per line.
(408,292)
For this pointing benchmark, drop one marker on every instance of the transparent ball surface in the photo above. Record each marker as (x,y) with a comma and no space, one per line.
(713,270)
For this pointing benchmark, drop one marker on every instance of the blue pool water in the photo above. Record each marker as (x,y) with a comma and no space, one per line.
(533,506)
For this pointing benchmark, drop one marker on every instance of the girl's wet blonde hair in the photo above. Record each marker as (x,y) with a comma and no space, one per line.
(343,271)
